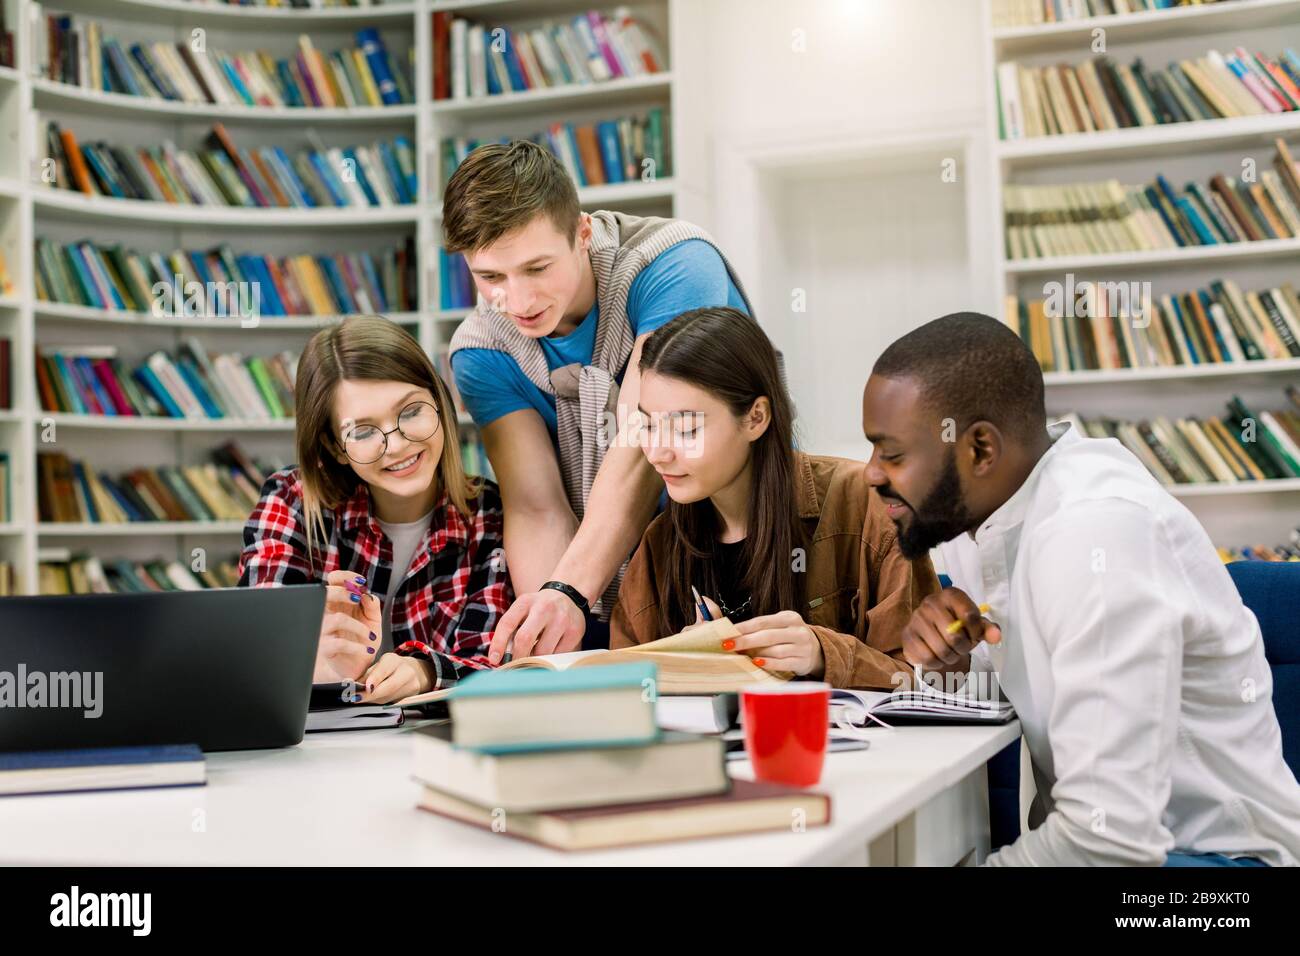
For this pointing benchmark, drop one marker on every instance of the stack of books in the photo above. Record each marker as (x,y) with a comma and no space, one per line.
(62,572)
(612,151)
(1097,94)
(224,490)
(222,174)
(574,760)
(1240,447)
(112,276)
(1110,325)
(194,383)
(471,59)
(76,51)
(1024,13)
(1102,217)
(455,284)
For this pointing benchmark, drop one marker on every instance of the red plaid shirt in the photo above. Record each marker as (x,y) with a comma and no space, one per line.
(456,589)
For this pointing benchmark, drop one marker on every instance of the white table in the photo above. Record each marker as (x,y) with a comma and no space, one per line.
(918,796)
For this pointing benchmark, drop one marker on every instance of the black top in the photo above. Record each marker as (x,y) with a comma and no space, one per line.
(732,596)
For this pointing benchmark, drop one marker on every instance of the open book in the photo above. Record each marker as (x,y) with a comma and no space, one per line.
(691,662)
(916,706)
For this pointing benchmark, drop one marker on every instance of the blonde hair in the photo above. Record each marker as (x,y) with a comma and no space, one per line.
(363,348)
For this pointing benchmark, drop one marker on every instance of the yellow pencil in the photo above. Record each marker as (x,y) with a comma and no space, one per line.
(956,626)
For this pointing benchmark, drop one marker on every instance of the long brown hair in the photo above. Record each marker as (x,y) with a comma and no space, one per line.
(727,354)
(362,348)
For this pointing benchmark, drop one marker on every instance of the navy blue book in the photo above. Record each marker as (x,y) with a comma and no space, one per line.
(101,768)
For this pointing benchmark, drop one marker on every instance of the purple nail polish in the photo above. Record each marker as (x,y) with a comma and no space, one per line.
(356,598)
(358,580)
(372,636)
(370,650)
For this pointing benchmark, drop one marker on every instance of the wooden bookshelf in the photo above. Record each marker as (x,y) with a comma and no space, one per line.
(30,209)
(1234,514)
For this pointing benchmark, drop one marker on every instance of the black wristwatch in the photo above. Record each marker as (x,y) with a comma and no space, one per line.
(572,593)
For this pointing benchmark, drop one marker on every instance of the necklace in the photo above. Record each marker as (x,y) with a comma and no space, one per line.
(731,612)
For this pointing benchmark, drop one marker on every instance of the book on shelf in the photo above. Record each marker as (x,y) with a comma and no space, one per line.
(474,59)
(381,174)
(1098,94)
(6,488)
(1087,325)
(114,277)
(192,384)
(8,53)
(611,151)
(77,51)
(474,458)
(6,279)
(1024,13)
(6,373)
(1095,218)
(8,579)
(1259,552)
(224,489)
(455,284)
(1242,446)
(60,571)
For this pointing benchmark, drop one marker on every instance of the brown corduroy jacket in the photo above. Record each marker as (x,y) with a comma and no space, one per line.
(858,590)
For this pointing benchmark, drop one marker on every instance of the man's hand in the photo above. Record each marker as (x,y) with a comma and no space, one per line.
(782,642)
(926,638)
(544,622)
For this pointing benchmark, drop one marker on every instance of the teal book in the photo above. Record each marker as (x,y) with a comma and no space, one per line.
(515,710)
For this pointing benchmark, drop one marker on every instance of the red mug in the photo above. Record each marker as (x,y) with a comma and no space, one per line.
(786,729)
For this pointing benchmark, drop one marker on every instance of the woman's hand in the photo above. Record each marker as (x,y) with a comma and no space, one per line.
(350,629)
(394,677)
(782,642)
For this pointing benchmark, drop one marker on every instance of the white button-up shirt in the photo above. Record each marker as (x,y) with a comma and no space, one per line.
(1138,674)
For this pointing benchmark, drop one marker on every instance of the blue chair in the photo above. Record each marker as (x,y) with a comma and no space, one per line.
(1271,589)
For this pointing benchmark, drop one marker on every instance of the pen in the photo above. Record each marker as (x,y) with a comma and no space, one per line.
(704,608)
(956,626)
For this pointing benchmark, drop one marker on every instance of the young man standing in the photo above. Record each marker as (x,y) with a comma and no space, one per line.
(548,361)
(1137,673)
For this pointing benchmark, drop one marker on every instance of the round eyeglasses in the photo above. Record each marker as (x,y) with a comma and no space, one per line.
(366,444)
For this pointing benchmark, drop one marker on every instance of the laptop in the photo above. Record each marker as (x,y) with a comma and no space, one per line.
(227,668)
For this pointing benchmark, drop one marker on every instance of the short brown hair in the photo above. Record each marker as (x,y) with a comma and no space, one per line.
(501,187)
(363,348)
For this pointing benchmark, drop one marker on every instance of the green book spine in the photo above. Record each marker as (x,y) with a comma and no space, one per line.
(263,379)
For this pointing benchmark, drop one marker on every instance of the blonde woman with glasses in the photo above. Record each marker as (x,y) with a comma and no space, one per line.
(380,510)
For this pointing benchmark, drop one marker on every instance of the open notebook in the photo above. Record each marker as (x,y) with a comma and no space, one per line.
(691,662)
(907,706)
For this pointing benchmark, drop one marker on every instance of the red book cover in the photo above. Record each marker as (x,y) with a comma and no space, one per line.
(108,378)
(441,55)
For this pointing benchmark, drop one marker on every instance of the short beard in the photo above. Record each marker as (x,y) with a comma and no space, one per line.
(940,517)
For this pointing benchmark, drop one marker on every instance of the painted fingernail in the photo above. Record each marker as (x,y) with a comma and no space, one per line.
(356,598)
(369,687)
(356,698)
(372,636)
(760,662)
(370,650)
(728,645)
(358,580)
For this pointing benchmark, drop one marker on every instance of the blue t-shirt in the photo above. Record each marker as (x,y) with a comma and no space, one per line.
(688,275)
